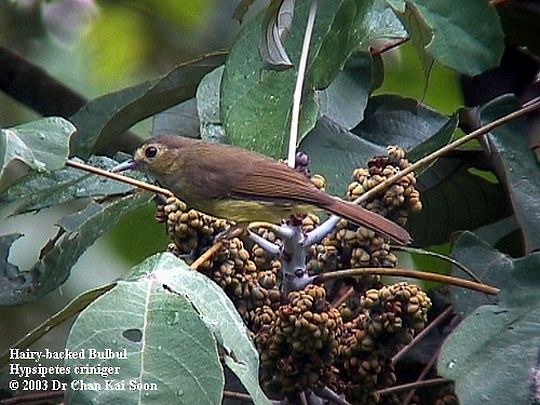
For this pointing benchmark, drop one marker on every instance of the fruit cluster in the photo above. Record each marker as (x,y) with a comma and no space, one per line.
(306,339)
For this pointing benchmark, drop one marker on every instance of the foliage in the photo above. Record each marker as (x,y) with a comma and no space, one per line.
(245,97)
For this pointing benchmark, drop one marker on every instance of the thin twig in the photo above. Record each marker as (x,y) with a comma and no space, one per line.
(454,262)
(414,385)
(124,179)
(206,255)
(342,298)
(421,275)
(368,195)
(441,317)
(297,97)
(239,396)
(421,377)
(388,46)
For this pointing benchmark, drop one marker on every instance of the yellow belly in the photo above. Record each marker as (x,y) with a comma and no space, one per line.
(244,211)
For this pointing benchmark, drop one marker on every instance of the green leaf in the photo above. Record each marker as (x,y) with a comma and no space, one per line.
(77,232)
(440,139)
(208,107)
(181,120)
(221,317)
(256,103)
(468,38)
(516,167)
(395,120)
(74,307)
(336,152)
(345,100)
(493,354)
(53,188)
(110,115)
(492,266)
(454,199)
(40,145)
(167,346)
(388,120)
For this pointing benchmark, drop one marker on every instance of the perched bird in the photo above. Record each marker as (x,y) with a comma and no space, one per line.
(243,186)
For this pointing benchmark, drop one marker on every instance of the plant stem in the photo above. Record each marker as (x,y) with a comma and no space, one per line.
(297,97)
(206,255)
(442,316)
(454,262)
(421,377)
(421,275)
(368,195)
(413,385)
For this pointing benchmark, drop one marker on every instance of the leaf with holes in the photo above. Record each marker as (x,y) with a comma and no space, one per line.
(220,315)
(155,340)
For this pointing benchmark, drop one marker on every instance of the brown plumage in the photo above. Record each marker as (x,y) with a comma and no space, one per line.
(226,181)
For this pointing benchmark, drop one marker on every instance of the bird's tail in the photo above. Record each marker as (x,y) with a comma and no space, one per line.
(361,216)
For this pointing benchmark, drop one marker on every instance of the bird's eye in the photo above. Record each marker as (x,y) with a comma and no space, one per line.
(150,152)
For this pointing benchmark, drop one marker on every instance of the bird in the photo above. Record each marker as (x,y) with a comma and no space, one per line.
(243,186)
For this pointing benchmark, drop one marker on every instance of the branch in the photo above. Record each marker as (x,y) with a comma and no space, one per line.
(418,384)
(206,255)
(445,258)
(441,317)
(32,86)
(118,177)
(420,275)
(421,377)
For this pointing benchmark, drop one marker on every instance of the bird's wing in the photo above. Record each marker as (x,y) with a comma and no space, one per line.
(254,177)
(274,180)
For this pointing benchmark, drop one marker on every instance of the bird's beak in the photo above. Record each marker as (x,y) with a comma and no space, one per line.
(122,167)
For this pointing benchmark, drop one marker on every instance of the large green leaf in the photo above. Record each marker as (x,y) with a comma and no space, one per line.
(345,99)
(454,198)
(492,266)
(53,188)
(493,354)
(181,120)
(167,346)
(110,115)
(395,120)
(40,145)
(256,103)
(468,38)
(220,315)
(516,167)
(77,232)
